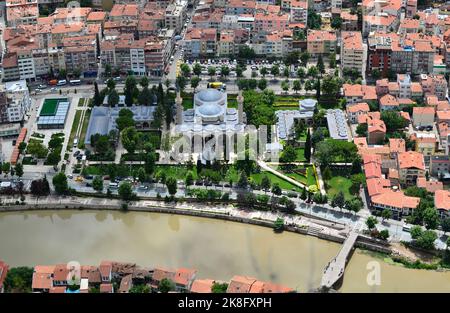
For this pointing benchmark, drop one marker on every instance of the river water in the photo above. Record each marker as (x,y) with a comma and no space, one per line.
(218,249)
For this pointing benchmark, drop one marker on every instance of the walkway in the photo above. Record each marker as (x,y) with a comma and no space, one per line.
(335,269)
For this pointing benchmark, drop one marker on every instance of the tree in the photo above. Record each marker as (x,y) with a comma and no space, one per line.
(332,60)
(445,224)
(189,179)
(60,183)
(320,65)
(224,71)
(276,189)
(361,130)
(431,218)
(185,69)
(166,285)
(303,195)
(263,71)
(126,191)
(371,222)
(307,152)
(18,169)
(314,20)
(195,81)
(141,288)
(97,98)
(219,288)
(245,52)
(125,119)
(338,200)
(197,69)
(18,280)
(171,184)
(301,73)
(297,85)
(113,98)
(265,183)
(181,82)
(416,232)
(145,97)
(149,165)
(111,84)
(239,71)
(243,180)
(386,214)
(130,90)
(313,71)
(393,121)
(286,72)
(426,240)
(285,85)
(130,139)
(336,22)
(330,88)
(289,154)
(40,187)
(97,183)
(144,82)
(304,57)
(262,84)
(211,71)
(54,157)
(275,70)
(384,234)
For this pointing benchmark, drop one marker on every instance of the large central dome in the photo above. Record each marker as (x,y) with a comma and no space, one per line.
(209,95)
(210,109)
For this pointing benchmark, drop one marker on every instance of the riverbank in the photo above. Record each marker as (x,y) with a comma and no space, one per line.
(305,225)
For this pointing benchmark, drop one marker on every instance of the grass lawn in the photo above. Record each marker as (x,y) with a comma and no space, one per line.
(81,102)
(300,155)
(179,172)
(188,103)
(339,183)
(84,128)
(308,180)
(274,179)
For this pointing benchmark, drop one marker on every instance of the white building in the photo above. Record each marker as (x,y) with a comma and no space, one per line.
(19,101)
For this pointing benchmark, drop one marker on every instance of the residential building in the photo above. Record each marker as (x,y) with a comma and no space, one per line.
(352,51)
(159,274)
(3,271)
(175,16)
(442,202)
(184,277)
(434,85)
(356,110)
(349,21)
(21,12)
(440,165)
(202,286)
(42,280)
(126,284)
(18,101)
(411,165)
(423,116)
(321,42)
(376,132)
(359,93)
(200,42)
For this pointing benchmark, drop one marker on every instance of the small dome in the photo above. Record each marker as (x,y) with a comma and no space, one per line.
(209,95)
(210,110)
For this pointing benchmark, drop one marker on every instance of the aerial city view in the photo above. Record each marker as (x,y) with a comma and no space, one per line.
(224,146)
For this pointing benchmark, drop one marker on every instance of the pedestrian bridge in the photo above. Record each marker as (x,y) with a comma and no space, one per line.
(336,267)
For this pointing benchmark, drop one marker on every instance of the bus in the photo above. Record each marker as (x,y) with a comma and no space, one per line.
(217,85)
(75,82)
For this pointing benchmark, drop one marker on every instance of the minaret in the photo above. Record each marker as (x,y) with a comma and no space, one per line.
(179,104)
(240,101)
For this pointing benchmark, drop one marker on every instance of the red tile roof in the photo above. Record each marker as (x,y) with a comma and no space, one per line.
(411,159)
(442,200)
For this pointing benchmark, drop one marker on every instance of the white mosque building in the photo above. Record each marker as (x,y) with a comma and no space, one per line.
(210,118)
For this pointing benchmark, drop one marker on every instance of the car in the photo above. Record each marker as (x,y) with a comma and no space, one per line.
(54,89)
(79,157)
(38,90)
(77,153)
(88,185)
(70,176)
(42,86)
(89,176)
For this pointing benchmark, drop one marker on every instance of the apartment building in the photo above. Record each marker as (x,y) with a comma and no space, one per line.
(411,165)
(238,7)
(349,21)
(200,42)
(15,101)
(175,16)
(359,93)
(434,85)
(321,42)
(299,11)
(21,12)
(352,51)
